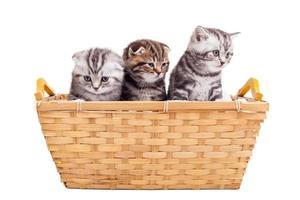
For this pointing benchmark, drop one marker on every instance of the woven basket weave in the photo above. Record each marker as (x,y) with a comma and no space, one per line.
(150,145)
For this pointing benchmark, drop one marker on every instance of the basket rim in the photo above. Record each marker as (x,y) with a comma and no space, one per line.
(164,106)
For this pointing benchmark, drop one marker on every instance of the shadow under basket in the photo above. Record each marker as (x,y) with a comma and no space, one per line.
(150,144)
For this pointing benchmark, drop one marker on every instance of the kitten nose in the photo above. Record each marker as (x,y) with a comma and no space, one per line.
(96,88)
(158,71)
(222,62)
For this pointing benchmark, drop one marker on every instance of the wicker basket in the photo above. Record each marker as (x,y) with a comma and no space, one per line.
(150,145)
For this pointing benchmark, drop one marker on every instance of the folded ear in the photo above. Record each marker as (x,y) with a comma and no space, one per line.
(135,51)
(200,33)
(166,48)
(79,56)
(120,61)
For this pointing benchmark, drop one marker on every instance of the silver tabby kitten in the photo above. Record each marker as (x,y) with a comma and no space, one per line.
(97,75)
(197,76)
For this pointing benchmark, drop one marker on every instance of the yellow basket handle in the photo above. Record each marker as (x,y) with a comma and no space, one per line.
(252,84)
(42,87)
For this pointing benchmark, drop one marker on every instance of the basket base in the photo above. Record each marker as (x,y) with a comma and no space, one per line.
(152,187)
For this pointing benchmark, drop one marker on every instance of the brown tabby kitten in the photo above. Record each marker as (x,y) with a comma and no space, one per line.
(146,64)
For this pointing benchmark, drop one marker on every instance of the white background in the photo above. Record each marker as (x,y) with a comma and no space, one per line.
(38,38)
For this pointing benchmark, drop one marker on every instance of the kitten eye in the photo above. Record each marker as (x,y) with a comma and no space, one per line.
(87,78)
(228,54)
(104,79)
(165,64)
(216,52)
(151,64)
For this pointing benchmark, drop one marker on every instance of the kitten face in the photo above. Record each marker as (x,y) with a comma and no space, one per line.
(97,72)
(146,60)
(99,82)
(213,46)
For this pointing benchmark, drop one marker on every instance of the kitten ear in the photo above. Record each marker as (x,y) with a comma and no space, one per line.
(138,52)
(233,35)
(120,61)
(167,49)
(75,57)
(200,34)
(78,56)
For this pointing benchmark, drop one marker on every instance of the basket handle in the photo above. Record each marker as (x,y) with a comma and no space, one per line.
(252,84)
(42,87)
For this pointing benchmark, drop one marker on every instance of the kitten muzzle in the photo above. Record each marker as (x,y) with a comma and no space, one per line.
(96,88)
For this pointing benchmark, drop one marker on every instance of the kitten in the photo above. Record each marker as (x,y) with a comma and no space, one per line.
(146,64)
(97,75)
(197,76)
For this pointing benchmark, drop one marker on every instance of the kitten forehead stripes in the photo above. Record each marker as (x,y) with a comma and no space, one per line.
(94,57)
(222,36)
(157,50)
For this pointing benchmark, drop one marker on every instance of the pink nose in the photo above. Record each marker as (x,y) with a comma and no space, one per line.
(96,88)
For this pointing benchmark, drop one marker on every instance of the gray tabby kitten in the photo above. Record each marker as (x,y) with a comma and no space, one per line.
(97,75)
(197,76)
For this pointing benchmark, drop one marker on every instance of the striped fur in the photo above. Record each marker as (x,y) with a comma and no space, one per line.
(197,76)
(97,75)
(146,64)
